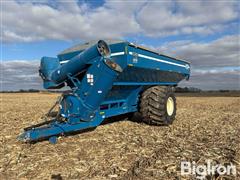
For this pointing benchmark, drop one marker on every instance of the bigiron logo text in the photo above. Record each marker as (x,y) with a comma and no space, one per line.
(203,170)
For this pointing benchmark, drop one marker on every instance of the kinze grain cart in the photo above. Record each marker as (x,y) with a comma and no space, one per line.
(108,79)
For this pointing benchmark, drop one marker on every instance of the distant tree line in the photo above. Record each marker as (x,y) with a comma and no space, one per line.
(30,91)
(21,91)
(187,89)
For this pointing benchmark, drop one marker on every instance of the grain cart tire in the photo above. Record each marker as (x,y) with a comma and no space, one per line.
(158,105)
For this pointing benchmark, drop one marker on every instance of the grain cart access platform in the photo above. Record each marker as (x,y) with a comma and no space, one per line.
(108,78)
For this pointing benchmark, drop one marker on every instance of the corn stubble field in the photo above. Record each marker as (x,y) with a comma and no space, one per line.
(205,128)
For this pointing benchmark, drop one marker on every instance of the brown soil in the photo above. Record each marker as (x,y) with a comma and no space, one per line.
(205,128)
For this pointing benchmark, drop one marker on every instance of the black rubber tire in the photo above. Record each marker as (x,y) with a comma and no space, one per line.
(153,105)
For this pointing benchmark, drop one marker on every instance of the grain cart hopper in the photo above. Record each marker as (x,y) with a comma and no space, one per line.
(108,79)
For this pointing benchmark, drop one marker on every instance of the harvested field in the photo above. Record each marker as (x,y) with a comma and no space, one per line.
(205,128)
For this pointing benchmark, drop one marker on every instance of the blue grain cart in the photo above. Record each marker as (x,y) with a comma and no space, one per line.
(108,78)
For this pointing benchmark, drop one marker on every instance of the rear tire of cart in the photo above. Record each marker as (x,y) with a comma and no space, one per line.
(158,105)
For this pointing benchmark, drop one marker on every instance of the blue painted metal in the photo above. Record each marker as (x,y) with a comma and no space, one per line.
(48,65)
(102,86)
(56,128)
(53,139)
(57,74)
(86,98)
(144,83)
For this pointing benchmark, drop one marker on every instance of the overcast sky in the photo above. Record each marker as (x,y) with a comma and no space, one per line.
(206,33)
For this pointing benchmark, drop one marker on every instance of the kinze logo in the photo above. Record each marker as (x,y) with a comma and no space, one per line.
(202,170)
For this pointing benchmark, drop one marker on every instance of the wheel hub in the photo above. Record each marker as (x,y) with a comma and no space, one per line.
(170,106)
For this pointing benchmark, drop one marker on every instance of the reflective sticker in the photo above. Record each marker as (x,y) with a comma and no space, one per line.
(63,115)
(90,78)
(117,53)
(135,60)
(63,62)
(99,92)
(187,66)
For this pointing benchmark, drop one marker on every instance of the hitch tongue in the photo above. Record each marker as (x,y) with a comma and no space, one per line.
(24,137)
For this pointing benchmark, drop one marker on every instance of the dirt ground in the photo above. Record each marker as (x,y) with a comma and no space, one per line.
(205,128)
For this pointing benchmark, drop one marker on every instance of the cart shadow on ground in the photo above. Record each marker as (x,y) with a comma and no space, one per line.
(135,118)
(132,117)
